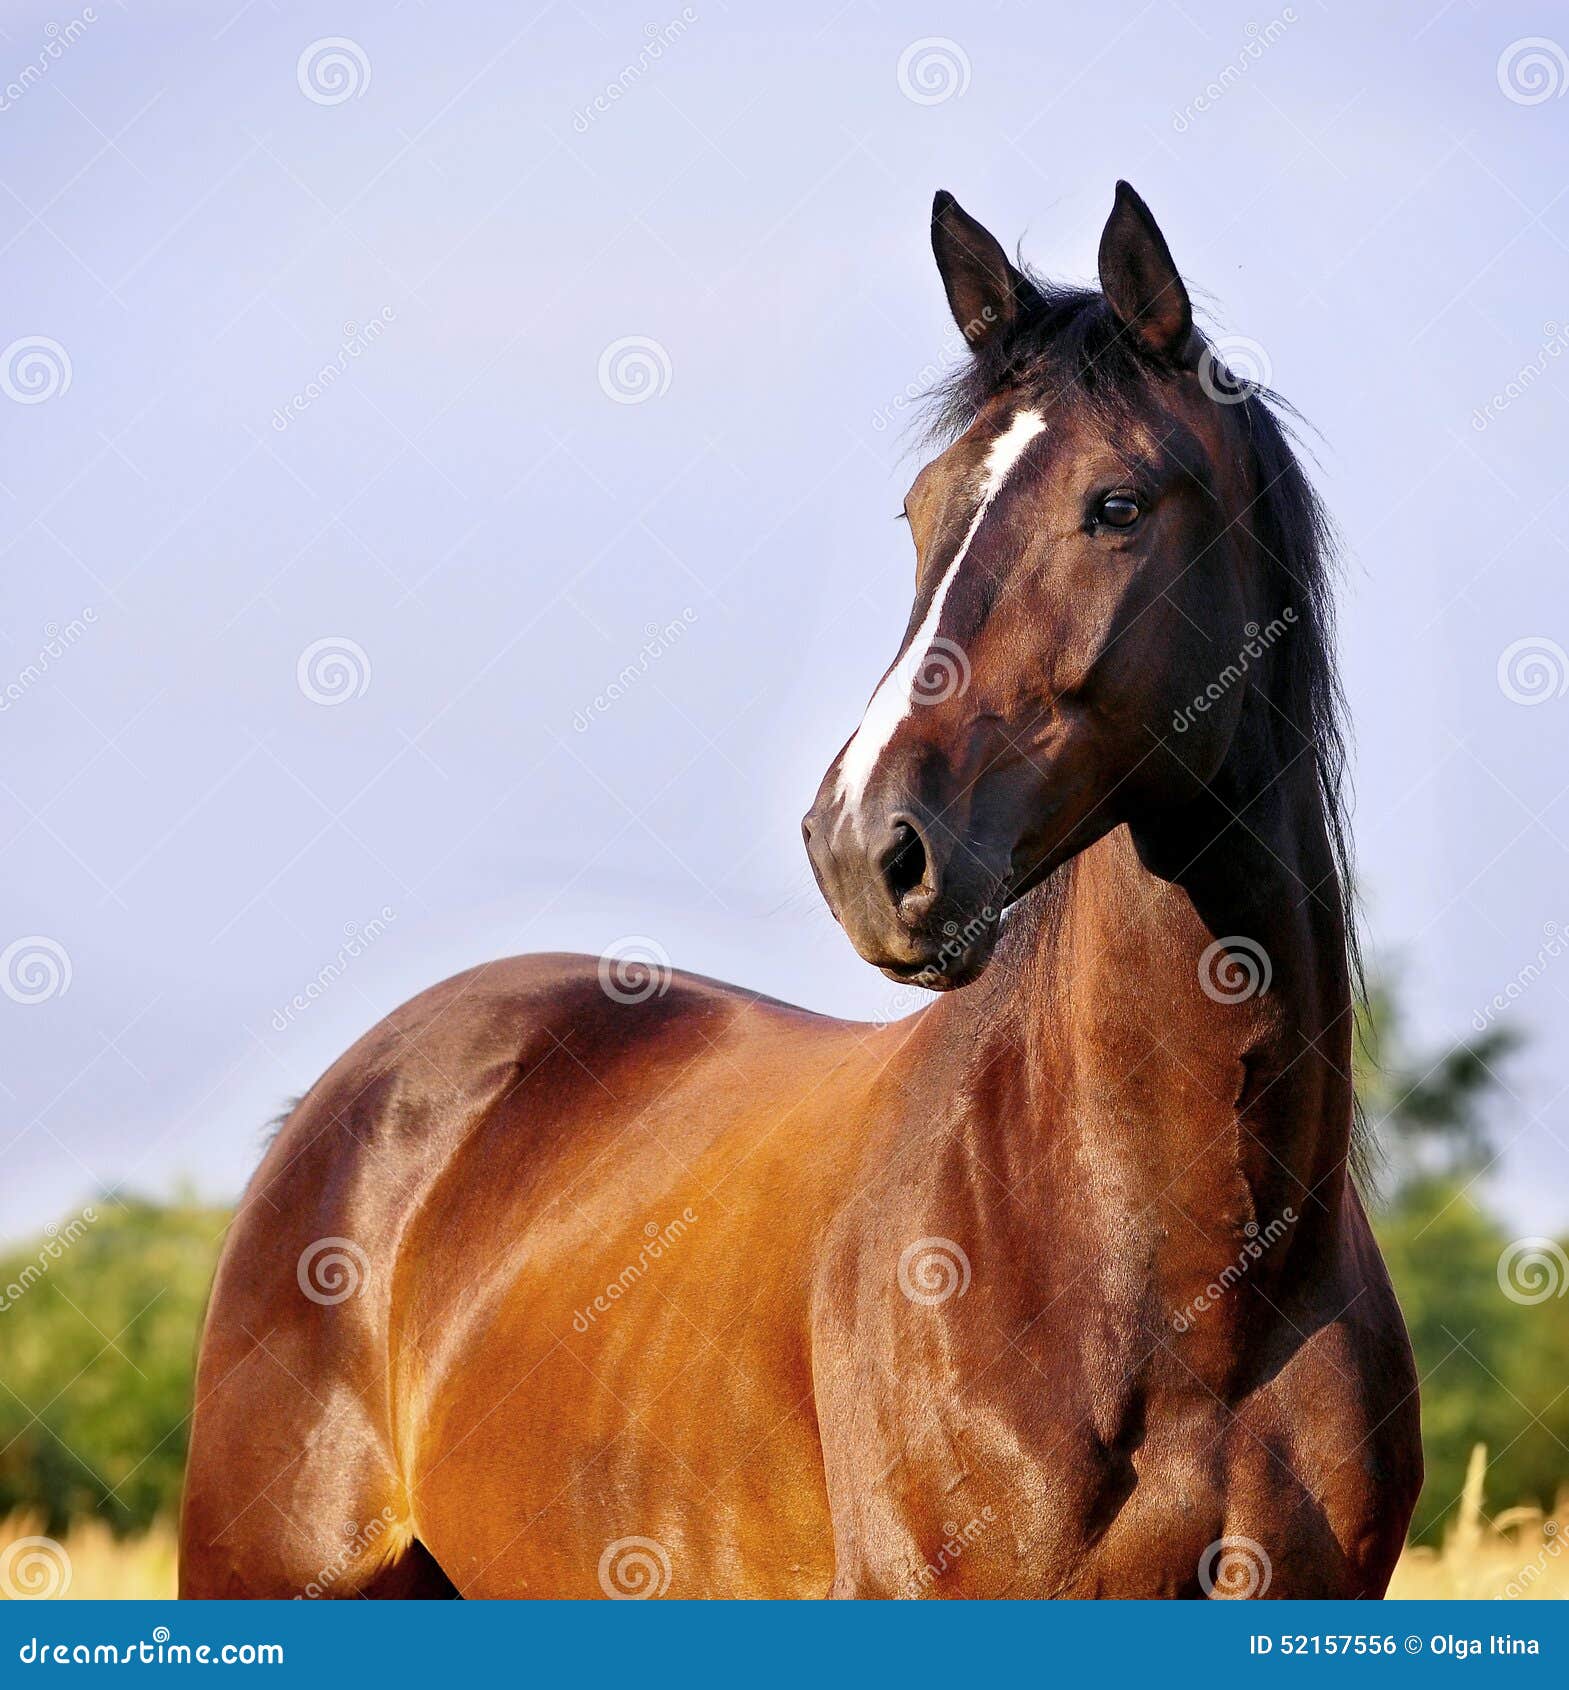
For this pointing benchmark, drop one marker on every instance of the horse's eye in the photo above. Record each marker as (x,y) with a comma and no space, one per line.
(1120,510)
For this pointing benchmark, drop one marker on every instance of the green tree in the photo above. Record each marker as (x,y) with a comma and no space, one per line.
(98,1328)
(1490,1359)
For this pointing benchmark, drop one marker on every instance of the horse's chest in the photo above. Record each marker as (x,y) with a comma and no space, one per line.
(1154,1485)
(1085,1481)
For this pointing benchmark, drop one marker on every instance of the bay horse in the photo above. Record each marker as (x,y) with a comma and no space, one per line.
(580,1279)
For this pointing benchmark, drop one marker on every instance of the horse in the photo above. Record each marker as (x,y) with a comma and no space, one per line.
(586,1277)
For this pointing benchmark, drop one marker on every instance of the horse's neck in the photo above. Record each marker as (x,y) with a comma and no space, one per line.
(1149,1095)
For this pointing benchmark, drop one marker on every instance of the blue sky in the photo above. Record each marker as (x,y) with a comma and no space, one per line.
(484,514)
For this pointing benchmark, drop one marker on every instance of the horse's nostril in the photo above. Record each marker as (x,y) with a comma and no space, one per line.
(903,863)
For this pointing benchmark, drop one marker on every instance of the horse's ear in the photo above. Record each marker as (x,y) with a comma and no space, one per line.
(1140,281)
(984,290)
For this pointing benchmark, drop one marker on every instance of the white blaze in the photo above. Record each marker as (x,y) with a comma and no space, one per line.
(893,700)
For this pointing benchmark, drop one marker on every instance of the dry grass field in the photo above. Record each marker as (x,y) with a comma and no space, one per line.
(93,1563)
(1519,1553)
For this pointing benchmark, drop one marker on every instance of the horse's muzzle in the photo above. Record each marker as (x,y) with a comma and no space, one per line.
(899,884)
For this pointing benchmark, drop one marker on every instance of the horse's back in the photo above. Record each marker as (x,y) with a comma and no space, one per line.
(540,1048)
